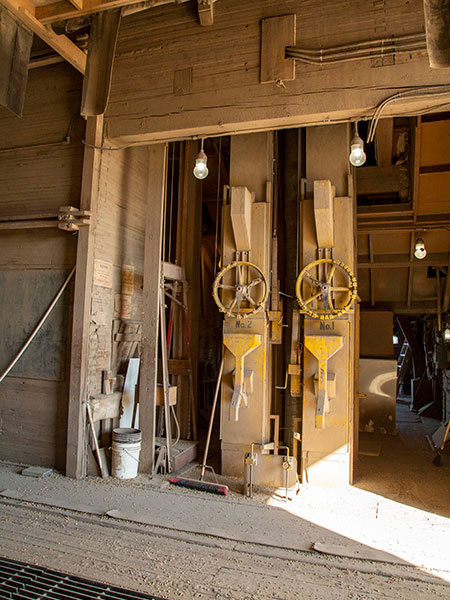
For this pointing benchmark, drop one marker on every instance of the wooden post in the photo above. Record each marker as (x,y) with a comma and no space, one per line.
(76,427)
(150,307)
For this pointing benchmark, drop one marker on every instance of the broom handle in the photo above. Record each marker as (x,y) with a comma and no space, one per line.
(211,420)
(445,436)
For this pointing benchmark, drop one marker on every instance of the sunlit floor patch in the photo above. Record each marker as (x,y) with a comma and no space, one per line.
(418,537)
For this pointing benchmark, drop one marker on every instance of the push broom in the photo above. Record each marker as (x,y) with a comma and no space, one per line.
(200,484)
(437,458)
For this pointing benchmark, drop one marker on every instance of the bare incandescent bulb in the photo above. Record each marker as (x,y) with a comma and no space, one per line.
(357,155)
(201,170)
(420,250)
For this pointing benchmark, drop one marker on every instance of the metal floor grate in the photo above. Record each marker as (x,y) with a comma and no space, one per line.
(19,581)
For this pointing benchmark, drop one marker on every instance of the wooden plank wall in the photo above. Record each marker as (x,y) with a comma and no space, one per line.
(226,96)
(118,253)
(33,403)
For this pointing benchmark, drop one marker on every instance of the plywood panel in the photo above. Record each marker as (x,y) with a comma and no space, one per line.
(434,143)
(434,194)
(391,243)
(390,285)
(377,329)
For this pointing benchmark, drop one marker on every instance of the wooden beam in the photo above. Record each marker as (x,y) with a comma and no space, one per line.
(78,3)
(152,289)
(24,11)
(206,12)
(394,261)
(78,392)
(438,300)
(64,9)
(101,51)
(324,213)
(173,272)
(446,295)
(383,142)
(371,273)
(410,270)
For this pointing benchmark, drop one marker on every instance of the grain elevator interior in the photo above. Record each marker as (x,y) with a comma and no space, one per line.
(225,299)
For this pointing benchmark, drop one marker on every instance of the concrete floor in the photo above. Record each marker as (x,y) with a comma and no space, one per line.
(386,537)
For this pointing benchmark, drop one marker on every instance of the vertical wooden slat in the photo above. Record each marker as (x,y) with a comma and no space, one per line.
(151,291)
(438,298)
(76,434)
(371,273)
(446,293)
(410,270)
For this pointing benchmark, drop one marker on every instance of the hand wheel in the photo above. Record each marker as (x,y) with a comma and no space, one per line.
(334,293)
(243,290)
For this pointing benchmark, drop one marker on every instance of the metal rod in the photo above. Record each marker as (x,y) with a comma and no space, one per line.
(38,326)
(211,420)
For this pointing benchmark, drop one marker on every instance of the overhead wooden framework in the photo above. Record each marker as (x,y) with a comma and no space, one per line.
(61,10)
(39,19)
(25,12)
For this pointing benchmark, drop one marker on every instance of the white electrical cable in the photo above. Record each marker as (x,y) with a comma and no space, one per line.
(177,425)
(414,93)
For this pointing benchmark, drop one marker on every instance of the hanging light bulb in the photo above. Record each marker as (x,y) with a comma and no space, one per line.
(420,250)
(357,155)
(201,170)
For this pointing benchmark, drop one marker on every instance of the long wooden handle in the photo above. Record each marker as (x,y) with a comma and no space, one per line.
(96,448)
(445,436)
(211,420)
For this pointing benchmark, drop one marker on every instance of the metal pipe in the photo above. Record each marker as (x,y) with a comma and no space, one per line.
(437,30)
(365,43)
(211,420)
(356,55)
(38,326)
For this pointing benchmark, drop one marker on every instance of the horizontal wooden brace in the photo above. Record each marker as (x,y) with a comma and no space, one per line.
(64,9)
(393,262)
(127,337)
(24,11)
(173,272)
(179,367)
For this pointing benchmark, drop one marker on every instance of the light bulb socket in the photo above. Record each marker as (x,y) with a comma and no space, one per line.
(357,155)
(201,170)
(420,251)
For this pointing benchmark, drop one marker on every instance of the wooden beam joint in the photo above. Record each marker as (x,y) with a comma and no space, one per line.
(25,13)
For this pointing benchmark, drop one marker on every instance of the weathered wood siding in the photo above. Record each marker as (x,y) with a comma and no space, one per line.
(225,94)
(118,253)
(34,263)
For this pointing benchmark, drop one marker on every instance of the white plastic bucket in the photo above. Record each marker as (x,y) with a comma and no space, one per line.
(125,459)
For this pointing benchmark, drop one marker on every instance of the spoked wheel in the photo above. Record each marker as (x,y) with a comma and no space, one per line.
(330,295)
(240,290)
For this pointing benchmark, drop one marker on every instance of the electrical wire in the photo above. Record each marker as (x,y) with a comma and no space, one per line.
(174,415)
(359,50)
(434,90)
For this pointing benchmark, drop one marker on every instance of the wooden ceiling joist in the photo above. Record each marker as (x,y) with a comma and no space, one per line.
(25,12)
(68,9)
